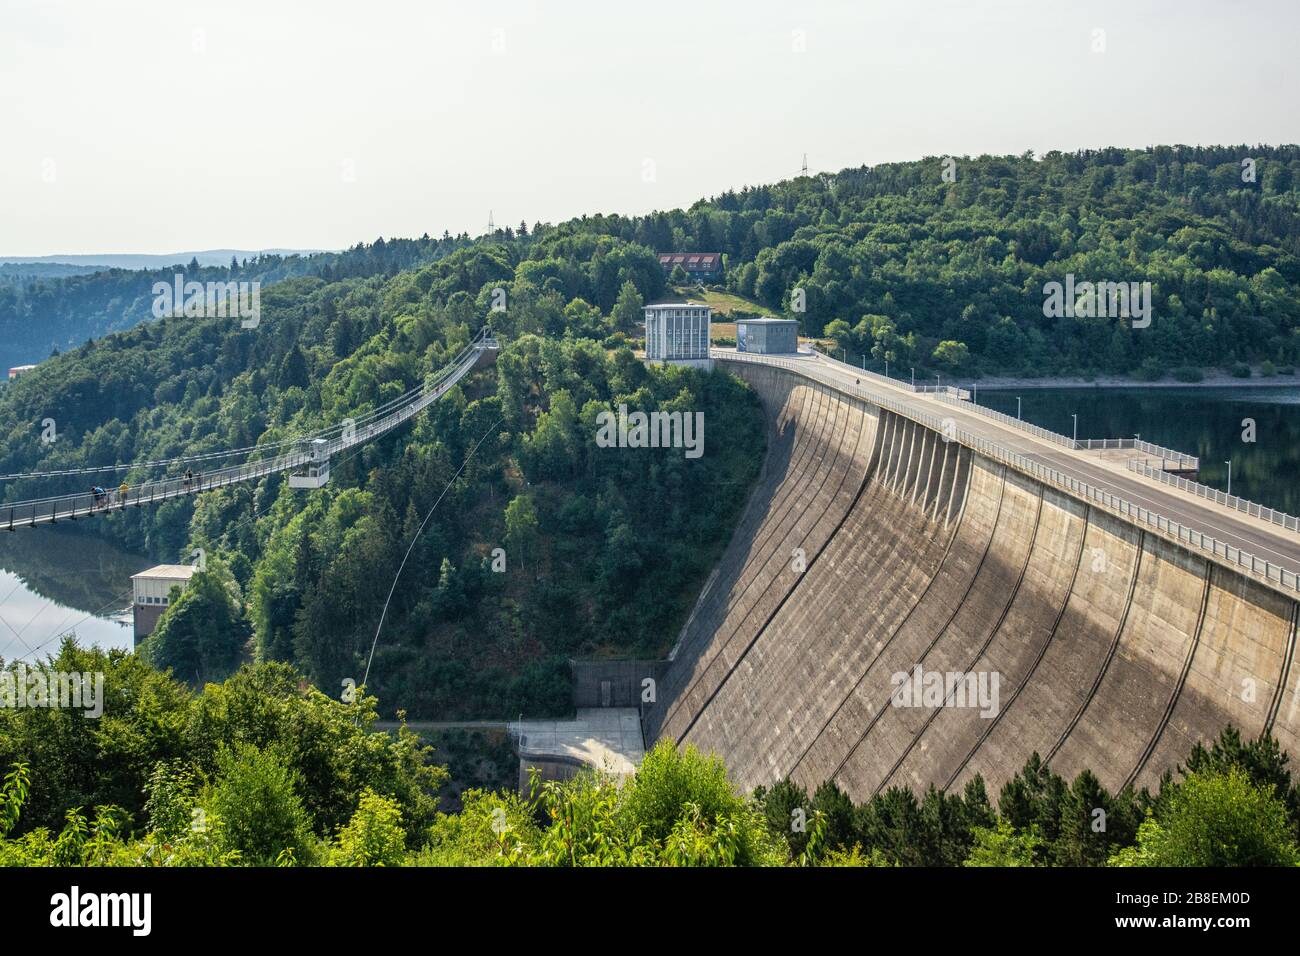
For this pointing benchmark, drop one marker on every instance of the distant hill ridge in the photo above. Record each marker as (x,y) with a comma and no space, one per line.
(206,257)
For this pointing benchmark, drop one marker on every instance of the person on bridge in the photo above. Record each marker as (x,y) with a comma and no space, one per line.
(97,492)
(122,489)
(188,480)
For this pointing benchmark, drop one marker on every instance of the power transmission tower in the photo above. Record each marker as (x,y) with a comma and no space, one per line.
(805,165)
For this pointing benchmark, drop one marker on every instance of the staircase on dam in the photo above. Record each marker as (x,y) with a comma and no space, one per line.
(872,546)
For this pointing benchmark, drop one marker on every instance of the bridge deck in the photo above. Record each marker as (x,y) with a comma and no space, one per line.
(29,514)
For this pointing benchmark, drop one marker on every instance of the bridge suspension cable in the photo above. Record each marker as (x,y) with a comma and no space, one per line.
(308,451)
(327,433)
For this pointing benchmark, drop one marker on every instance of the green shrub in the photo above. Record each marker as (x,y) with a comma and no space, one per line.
(256,798)
(1151,370)
(1188,373)
(373,837)
(1240,370)
(1215,819)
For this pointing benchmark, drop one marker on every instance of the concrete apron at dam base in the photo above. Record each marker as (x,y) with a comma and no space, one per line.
(606,738)
(871,546)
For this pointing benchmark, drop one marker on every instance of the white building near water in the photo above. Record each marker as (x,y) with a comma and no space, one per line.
(151,594)
(678,332)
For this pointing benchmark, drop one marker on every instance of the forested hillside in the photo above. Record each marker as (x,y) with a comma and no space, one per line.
(604,548)
(907,260)
(46,308)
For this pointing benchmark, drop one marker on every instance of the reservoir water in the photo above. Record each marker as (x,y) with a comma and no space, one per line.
(55,581)
(1211,423)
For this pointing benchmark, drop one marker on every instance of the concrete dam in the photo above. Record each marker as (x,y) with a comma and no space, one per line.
(874,543)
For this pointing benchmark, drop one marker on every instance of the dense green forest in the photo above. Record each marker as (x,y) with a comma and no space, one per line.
(907,259)
(48,308)
(262,769)
(604,549)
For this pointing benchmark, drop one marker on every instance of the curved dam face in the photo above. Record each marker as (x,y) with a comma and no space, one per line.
(871,547)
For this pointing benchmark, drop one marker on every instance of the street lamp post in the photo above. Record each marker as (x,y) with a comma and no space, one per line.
(1017,408)
(1229,464)
(913,378)
(1076,428)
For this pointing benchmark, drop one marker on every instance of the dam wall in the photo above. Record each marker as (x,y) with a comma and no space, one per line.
(871,546)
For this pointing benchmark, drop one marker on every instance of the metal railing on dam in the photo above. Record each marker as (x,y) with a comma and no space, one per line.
(1271,515)
(387,417)
(1181,460)
(951,391)
(1274,574)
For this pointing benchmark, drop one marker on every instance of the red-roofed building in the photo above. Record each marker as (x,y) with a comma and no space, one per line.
(697,265)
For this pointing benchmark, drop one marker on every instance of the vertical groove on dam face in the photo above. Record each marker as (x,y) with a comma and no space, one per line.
(1133,695)
(1280,690)
(1122,609)
(1283,682)
(826,753)
(1114,650)
(1020,639)
(1026,678)
(889,738)
(838,441)
(792,407)
(1179,684)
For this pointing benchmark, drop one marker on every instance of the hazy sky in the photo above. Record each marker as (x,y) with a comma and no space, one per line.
(162,125)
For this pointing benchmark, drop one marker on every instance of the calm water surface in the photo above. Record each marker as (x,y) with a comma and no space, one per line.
(1207,422)
(55,581)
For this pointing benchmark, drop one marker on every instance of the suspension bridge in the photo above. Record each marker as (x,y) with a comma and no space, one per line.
(307,458)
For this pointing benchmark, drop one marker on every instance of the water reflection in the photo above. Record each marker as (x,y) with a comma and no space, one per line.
(1207,422)
(56,580)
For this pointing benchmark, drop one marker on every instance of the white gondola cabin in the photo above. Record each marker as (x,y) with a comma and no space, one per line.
(316,471)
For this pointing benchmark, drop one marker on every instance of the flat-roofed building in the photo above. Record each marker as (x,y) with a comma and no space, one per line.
(19,370)
(678,332)
(151,594)
(767,336)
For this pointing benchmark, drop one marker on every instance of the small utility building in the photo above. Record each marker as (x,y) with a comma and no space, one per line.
(678,332)
(151,593)
(767,336)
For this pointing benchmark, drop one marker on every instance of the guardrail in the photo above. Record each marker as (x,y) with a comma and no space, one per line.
(1272,573)
(897,383)
(1271,515)
(1183,461)
(86,504)
(946,391)
(1024,426)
